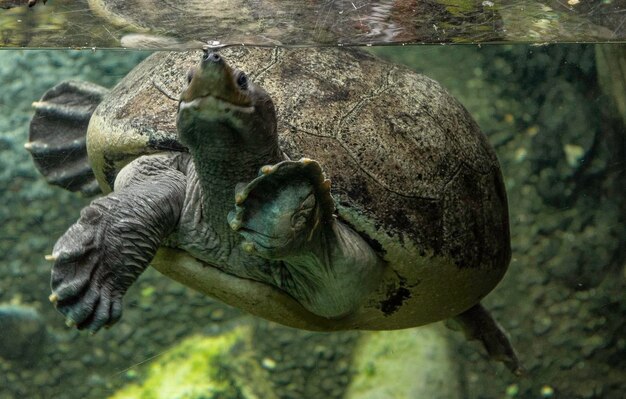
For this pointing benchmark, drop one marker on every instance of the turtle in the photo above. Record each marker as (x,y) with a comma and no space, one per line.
(359,195)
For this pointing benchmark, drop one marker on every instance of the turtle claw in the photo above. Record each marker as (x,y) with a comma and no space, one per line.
(248,247)
(267,170)
(116,237)
(82,282)
(278,212)
(53,298)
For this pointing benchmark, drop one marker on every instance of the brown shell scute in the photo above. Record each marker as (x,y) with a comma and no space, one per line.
(474,221)
(412,149)
(420,168)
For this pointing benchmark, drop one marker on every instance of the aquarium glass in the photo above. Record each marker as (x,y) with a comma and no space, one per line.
(545,81)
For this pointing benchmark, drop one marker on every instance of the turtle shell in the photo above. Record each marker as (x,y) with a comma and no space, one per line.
(410,169)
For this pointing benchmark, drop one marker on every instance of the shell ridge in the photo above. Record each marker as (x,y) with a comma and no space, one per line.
(363,100)
(365,171)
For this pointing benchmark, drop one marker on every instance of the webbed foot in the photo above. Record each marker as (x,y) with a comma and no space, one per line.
(104,252)
(100,257)
(278,212)
(83,283)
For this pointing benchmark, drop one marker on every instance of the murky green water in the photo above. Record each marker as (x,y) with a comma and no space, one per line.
(555,115)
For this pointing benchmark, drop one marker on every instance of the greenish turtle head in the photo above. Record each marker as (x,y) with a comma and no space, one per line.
(220,110)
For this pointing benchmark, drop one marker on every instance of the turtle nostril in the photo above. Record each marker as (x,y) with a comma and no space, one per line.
(212,57)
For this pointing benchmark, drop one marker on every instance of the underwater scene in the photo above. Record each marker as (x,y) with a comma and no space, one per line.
(312,207)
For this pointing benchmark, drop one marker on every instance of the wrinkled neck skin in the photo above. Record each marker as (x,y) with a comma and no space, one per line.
(335,273)
(330,272)
(229,126)
(222,161)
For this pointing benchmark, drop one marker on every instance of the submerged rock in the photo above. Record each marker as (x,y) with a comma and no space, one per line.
(201,367)
(413,363)
(22,333)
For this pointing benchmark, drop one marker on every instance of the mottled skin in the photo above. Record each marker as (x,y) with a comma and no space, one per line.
(420,239)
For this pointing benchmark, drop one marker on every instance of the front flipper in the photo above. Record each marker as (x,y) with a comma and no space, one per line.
(478,324)
(114,240)
(278,212)
(287,214)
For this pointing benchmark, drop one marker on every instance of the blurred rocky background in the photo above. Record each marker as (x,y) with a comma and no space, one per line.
(557,122)
(555,115)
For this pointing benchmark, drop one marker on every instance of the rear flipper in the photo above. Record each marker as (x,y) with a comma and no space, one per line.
(114,240)
(58,131)
(477,324)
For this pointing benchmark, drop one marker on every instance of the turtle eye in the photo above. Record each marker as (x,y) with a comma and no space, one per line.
(242,81)
(189,75)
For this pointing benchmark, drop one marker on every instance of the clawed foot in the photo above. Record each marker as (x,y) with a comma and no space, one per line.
(83,286)
(278,212)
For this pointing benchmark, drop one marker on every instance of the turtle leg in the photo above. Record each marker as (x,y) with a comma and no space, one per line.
(478,324)
(280,210)
(286,214)
(114,240)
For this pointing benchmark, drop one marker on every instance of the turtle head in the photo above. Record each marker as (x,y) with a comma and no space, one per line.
(221,110)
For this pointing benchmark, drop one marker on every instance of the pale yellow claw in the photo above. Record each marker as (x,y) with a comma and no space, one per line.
(239,199)
(235,224)
(70,323)
(28,146)
(306,161)
(268,169)
(50,258)
(54,298)
(248,247)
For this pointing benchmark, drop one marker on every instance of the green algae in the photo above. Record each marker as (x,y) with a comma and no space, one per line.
(203,367)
